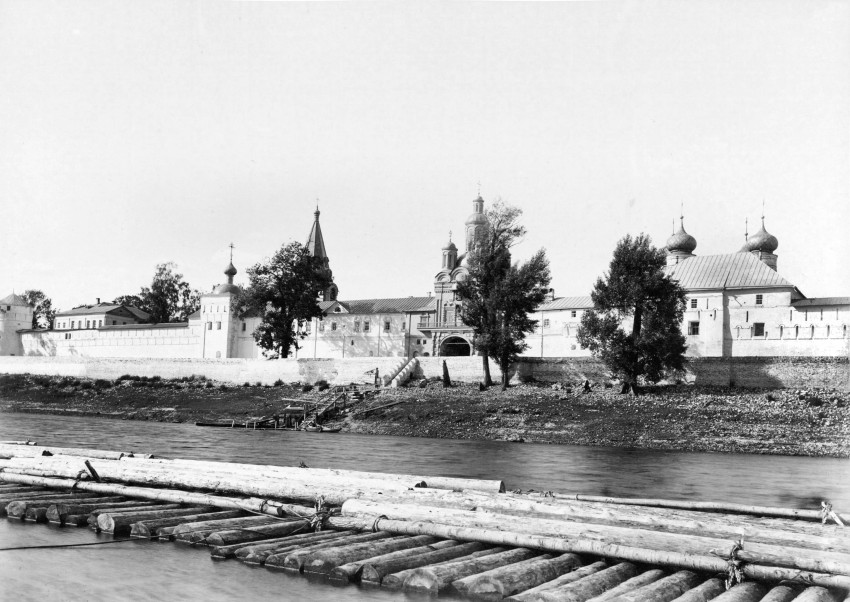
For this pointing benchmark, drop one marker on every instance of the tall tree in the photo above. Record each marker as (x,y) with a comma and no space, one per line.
(168,299)
(43,312)
(493,292)
(636,292)
(283,290)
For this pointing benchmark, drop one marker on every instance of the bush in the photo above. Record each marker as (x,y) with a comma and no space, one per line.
(156,378)
(322,385)
(209,385)
(101,383)
(306,388)
(86,385)
(278,383)
(246,384)
(223,387)
(125,377)
(258,384)
(144,379)
(139,383)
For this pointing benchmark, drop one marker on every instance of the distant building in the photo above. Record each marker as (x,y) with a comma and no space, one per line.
(15,315)
(737,305)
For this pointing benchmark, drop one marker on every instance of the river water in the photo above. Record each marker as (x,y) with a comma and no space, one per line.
(141,570)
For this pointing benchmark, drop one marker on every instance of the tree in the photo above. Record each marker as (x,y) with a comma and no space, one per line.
(42,308)
(168,299)
(636,288)
(498,296)
(283,291)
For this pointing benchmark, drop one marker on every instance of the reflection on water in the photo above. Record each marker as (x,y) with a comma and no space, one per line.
(153,571)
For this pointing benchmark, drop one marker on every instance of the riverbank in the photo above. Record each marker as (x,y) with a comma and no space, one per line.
(684,418)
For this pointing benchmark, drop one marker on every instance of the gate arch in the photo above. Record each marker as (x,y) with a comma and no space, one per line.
(455,346)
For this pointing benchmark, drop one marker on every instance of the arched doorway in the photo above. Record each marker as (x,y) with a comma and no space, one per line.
(455,346)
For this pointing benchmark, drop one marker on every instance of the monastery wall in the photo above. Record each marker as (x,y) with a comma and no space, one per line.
(151,341)
(790,372)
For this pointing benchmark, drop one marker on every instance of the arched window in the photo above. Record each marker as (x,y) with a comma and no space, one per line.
(737,332)
(827,332)
(812,334)
(781,331)
(796,332)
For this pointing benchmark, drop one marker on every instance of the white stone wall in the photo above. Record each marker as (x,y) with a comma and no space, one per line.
(178,341)
(12,319)
(555,335)
(341,335)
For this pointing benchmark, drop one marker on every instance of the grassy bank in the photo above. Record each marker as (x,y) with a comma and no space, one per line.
(796,422)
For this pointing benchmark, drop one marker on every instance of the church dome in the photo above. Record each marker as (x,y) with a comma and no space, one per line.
(477,216)
(681,241)
(227,287)
(230,270)
(762,241)
(450,246)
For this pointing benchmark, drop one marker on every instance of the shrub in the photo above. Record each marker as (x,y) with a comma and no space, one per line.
(86,385)
(223,387)
(101,383)
(322,385)
(258,384)
(278,383)
(306,388)
(209,385)
(246,384)
(156,378)
(124,377)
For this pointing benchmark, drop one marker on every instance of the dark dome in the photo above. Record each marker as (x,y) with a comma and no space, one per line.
(227,287)
(681,241)
(450,246)
(230,270)
(762,241)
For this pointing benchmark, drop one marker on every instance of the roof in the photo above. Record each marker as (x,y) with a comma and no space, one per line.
(733,270)
(821,301)
(14,299)
(105,308)
(383,306)
(567,303)
(315,241)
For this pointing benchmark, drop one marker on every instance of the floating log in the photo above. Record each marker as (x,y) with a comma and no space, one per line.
(276,556)
(18,443)
(815,594)
(121,523)
(708,590)
(630,585)
(148,529)
(373,570)
(33,495)
(434,579)
(502,582)
(781,593)
(18,508)
(36,515)
(706,507)
(351,571)
(792,558)
(533,594)
(592,585)
(743,592)
(243,550)
(322,562)
(295,559)
(22,451)
(56,513)
(82,518)
(585,533)
(251,534)
(197,532)
(664,590)
(396,580)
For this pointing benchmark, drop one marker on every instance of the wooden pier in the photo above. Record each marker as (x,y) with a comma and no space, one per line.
(437,535)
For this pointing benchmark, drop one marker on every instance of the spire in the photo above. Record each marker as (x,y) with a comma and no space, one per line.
(315,241)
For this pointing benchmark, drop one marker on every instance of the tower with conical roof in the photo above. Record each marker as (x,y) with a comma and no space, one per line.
(316,246)
(680,245)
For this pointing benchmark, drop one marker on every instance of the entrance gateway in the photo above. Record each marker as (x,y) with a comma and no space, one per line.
(455,346)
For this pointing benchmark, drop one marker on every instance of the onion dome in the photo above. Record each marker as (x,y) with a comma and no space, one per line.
(228,287)
(477,216)
(230,270)
(681,241)
(450,246)
(762,241)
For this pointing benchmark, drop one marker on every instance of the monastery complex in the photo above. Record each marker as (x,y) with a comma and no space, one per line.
(738,306)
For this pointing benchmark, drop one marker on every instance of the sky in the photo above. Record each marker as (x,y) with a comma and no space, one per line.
(133,134)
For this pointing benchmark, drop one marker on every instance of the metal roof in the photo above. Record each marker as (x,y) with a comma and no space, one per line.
(105,308)
(820,301)
(733,270)
(567,303)
(14,299)
(384,306)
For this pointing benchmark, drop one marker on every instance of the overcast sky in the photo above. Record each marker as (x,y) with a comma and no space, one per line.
(137,133)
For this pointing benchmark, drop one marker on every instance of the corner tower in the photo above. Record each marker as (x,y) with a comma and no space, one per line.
(475,224)
(316,246)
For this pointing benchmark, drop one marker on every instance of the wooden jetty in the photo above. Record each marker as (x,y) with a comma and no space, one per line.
(438,535)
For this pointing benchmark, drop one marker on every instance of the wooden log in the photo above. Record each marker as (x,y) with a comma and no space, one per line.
(121,523)
(432,481)
(824,563)
(592,585)
(708,507)
(294,560)
(373,570)
(95,514)
(250,534)
(193,533)
(18,508)
(351,571)
(435,579)
(260,505)
(241,550)
(277,554)
(32,451)
(663,590)
(165,533)
(5,500)
(748,591)
(506,581)
(798,558)
(27,442)
(36,515)
(56,513)
(395,581)
(81,518)
(322,562)
(815,594)
(11,488)
(781,593)
(533,594)
(707,590)
(148,529)
(630,585)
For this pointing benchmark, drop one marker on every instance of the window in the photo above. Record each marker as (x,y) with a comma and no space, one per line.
(693,328)
(218,325)
(386,325)
(546,323)
(403,326)
(759,299)
(209,325)
(356,325)
(72,323)
(99,323)
(827,332)
(321,326)
(308,326)
(365,325)
(758,329)
(244,327)
(796,332)
(88,323)
(747,317)
(333,325)
(821,315)
(351,342)
(781,331)
(693,303)
(573,313)
(123,323)
(114,322)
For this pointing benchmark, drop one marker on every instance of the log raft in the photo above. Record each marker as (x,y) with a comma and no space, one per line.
(438,535)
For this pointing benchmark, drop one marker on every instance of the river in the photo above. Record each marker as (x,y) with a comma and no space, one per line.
(141,570)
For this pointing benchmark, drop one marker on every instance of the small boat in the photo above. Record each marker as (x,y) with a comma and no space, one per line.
(318,428)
